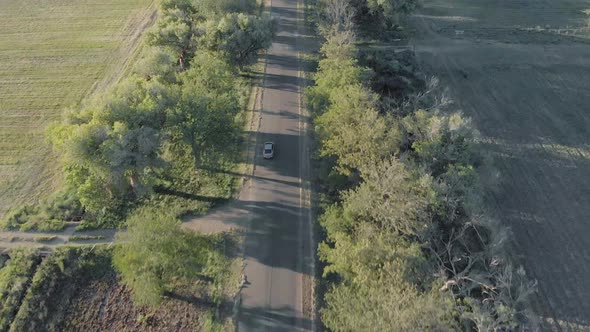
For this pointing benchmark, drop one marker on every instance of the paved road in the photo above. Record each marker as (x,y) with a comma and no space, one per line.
(276,242)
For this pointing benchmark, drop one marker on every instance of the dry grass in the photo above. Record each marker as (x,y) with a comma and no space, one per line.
(53,54)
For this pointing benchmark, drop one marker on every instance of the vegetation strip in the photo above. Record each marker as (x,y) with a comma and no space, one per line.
(406,246)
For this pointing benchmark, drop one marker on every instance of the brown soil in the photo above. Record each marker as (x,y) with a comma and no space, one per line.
(520,69)
(106,305)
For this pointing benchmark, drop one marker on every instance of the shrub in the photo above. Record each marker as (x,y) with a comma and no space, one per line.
(49,215)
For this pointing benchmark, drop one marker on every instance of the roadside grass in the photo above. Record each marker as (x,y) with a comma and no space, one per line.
(48,238)
(85,237)
(52,55)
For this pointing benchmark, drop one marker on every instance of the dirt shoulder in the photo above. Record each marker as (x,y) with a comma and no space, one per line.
(526,91)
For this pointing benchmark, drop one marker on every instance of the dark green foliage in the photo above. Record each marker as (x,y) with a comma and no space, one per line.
(220,26)
(390,11)
(373,17)
(205,113)
(14,279)
(213,8)
(157,64)
(175,30)
(396,73)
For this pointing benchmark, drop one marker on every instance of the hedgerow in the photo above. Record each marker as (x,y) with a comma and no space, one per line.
(407,246)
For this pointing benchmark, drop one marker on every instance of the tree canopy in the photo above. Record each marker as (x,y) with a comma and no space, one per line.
(154,253)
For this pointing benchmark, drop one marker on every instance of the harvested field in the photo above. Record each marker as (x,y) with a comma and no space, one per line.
(106,305)
(521,69)
(52,55)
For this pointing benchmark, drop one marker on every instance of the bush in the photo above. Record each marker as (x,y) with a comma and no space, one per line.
(45,238)
(238,38)
(49,215)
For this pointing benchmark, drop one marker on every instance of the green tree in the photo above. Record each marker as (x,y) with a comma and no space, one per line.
(352,129)
(337,69)
(385,281)
(157,64)
(175,31)
(387,304)
(205,115)
(238,37)
(212,8)
(111,147)
(154,254)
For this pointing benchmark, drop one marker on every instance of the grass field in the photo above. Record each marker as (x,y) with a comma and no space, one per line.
(52,55)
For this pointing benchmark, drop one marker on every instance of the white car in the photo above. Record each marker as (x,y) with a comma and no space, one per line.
(269,150)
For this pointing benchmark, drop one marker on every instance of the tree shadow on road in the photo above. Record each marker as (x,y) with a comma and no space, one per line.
(279,319)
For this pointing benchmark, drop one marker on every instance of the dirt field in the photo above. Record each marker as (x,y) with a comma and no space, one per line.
(521,70)
(53,54)
(106,305)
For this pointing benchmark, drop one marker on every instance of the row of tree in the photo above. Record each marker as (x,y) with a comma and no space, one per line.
(406,247)
(178,106)
(179,111)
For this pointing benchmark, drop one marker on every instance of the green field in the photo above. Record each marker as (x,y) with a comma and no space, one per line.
(52,55)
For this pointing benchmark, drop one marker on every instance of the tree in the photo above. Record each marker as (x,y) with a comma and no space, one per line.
(204,117)
(238,37)
(337,69)
(155,253)
(385,281)
(175,31)
(111,147)
(387,304)
(157,64)
(390,11)
(212,8)
(439,141)
(352,130)
(338,16)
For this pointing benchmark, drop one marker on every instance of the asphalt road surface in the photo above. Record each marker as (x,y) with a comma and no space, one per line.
(278,233)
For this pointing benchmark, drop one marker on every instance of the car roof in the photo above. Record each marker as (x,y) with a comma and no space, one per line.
(268,143)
